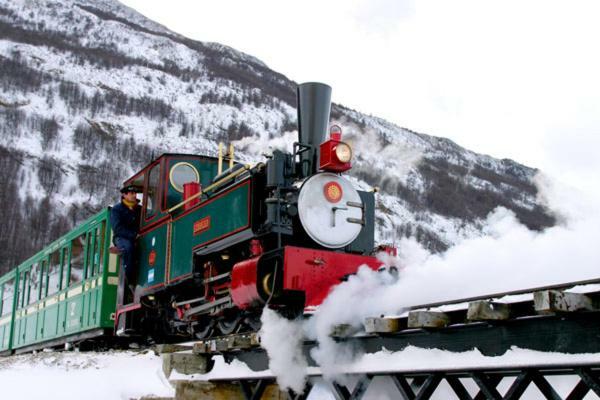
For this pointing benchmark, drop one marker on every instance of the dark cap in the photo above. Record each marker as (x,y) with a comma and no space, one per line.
(130,188)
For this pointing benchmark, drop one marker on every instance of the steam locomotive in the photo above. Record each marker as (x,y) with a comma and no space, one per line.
(214,246)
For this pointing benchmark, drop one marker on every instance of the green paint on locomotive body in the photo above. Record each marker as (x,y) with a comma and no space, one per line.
(215,218)
(166,251)
(167,242)
(152,253)
(74,289)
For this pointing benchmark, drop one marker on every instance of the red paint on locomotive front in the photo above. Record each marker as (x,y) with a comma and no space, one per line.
(316,272)
(311,271)
(244,292)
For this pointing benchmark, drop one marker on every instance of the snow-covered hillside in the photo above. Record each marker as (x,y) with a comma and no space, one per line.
(91,90)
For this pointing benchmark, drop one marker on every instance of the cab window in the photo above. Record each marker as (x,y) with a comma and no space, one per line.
(182,173)
(152,198)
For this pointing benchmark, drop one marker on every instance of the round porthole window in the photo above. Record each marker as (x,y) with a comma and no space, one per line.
(181,173)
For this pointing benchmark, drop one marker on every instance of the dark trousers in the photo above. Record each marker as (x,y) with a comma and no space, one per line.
(127,248)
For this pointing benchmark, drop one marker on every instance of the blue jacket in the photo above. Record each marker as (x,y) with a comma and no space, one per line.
(125,221)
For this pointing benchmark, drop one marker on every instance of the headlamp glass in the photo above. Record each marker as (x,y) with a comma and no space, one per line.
(343,152)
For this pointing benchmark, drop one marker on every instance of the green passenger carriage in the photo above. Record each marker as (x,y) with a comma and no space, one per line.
(65,292)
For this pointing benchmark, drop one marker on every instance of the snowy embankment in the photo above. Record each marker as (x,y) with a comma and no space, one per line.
(131,375)
(74,376)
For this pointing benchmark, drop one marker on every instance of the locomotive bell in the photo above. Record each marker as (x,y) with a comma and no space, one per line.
(314,106)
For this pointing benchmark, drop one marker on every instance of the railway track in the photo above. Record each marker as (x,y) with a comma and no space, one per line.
(561,318)
(566,316)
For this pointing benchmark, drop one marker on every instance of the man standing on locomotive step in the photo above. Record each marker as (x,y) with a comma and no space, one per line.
(125,221)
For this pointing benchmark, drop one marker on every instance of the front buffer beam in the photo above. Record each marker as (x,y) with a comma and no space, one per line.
(281,274)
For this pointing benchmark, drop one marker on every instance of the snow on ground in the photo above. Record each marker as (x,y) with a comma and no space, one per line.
(412,359)
(118,375)
(128,375)
(415,359)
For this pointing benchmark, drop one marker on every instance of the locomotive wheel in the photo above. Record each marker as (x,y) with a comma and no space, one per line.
(252,322)
(204,329)
(229,324)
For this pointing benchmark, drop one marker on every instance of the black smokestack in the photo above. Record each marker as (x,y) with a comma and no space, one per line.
(314,105)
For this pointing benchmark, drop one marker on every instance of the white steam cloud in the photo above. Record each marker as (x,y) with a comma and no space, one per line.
(282,339)
(393,161)
(256,146)
(508,257)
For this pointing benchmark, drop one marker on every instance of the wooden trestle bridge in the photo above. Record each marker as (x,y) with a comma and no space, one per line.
(561,320)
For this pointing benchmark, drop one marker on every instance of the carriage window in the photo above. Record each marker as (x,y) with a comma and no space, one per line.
(99,249)
(7,297)
(91,242)
(181,173)
(23,286)
(77,259)
(152,194)
(96,239)
(54,273)
(34,284)
(43,278)
(64,281)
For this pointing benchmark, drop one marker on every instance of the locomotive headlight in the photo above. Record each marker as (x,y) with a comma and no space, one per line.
(343,152)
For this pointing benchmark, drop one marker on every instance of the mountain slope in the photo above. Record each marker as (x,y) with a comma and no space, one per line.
(91,90)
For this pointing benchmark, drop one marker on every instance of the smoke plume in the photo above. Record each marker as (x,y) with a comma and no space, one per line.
(282,339)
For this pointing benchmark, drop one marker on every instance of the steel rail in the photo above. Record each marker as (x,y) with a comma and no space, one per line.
(502,294)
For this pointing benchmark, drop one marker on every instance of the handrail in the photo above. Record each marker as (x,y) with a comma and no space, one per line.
(211,187)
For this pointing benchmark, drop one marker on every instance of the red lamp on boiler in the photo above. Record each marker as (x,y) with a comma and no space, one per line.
(335,155)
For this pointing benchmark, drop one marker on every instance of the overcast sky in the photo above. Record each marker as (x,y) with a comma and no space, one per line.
(514,78)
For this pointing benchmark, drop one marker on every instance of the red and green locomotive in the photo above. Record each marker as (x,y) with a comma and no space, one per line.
(214,248)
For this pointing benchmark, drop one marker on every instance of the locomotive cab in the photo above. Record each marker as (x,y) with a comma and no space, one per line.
(162,183)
